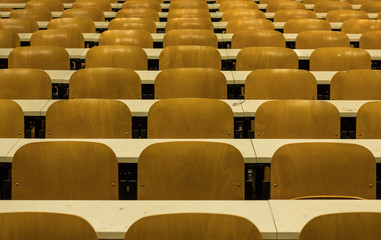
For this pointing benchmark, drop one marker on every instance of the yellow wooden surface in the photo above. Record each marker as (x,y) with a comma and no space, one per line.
(9,38)
(21,25)
(326,6)
(139,38)
(12,120)
(299,25)
(342,15)
(200,37)
(313,39)
(249,24)
(189,23)
(138,13)
(226,5)
(133,24)
(360,25)
(61,37)
(287,14)
(95,14)
(368,121)
(257,38)
(81,24)
(37,14)
(143,4)
(242,13)
(274,6)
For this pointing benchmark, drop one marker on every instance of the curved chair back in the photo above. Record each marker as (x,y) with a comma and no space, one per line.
(368,121)
(200,165)
(188,5)
(190,118)
(105,6)
(189,23)
(200,37)
(287,14)
(9,38)
(360,25)
(93,13)
(12,120)
(237,24)
(138,13)
(257,38)
(326,6)
(371,6)
(146,24)
(342,15)
(189,13)
(64,170)
(143,4)
(51,5)
(82,25)
(227,5)
(37,14)
(318,38)
(242,13)
(62,37)
(274,6)
(139,38)
(20,25)
(370,40)
(299,25)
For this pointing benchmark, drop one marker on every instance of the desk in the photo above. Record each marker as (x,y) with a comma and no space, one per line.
(291,215)
(111,219)
(6,145)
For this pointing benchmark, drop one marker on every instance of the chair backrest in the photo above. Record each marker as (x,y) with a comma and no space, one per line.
(82,25)
(88,118)
(242,13)
(190,118)
(105,6)
(20,25)
(44,225)
(227,5)
(133,24)
(257,38)
(360,25)
(323,169)
(111,83)
(341,226)
(189,57)
(339,59)
(60,37)
(64,170)
(326,6)
(51,5)
(268,1)
(368,121)
(9,38)
(188,5)
(200,37)
(191,171)
(189,23)
(189,13)
(37,14)
(371,6)
(275,5)
(356,84)
(143,4)
(132,57)
(237,24)
(287,14)
(139,38)
(313,39)
(25,83)
(94,14)
(184,225)
(138,13)
(280,84)
(342,15)
(191,82)
(299,25)
(42,57)
(252,58)
(370,40)
(297,119)
(12,120)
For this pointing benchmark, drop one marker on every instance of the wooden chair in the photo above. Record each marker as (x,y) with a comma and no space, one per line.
(323,169)
(287,14)
(176,226)
(12,120)
(368,121)
(252,58)
(51,5)
(370,40)
(191,171)
(143,4)
(189,57)
(88,118)
(83,25)
(44,225)
(276,5)
(188,5)
(200,37)
(371,6)
(319,38)
(13,1)
(37,14)
(189,13)
(111,83)
(339,59)
(342,15)
(326,6)
(356,84)
(189,23)
(64,170)
(9,38)
(140,38)
(117,56)
(191,83)
(138,13)
(105,6)
(297,119)
(299,25)
(20,25)
(190,118)
(41,57)
(242,13)
(257,38)
(280,84)
(227,5)
(94,14)
(340,226)
(62,37)
(267,1)
(25,84)
(360,25)
(146,24)
(237,24)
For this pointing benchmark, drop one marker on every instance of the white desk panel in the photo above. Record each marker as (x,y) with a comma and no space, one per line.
(6,145)
(32,107)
